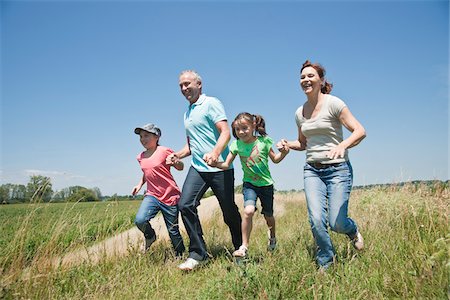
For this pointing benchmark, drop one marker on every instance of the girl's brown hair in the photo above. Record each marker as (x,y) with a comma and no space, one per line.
(326,86)
(257,119)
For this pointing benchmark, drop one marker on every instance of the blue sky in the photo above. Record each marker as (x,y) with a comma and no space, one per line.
(78,76)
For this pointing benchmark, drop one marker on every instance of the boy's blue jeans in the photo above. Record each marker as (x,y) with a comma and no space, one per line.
(150,206)
(327,193)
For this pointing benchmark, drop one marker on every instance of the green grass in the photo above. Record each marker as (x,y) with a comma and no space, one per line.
(29,231)
(407,256)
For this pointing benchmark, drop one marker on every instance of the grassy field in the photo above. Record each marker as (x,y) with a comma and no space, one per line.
(31,231)
(405,228)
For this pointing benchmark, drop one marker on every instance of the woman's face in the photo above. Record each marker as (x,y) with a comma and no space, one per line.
(310,80)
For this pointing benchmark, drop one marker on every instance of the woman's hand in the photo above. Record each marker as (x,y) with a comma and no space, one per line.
(336,152)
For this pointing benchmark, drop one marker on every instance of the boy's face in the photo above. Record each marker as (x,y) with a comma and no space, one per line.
(148,140)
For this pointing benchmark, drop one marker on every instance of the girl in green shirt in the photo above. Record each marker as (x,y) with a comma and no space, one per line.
(254,151)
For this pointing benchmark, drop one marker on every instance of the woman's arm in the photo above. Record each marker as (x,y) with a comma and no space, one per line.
(298,145)
(358,134)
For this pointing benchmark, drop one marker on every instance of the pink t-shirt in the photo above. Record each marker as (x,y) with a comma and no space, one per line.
(160,182)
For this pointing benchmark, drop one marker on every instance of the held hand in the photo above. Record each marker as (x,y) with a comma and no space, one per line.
(172,159)
(336,152)
(279,145)
(284,149)
(210,159)
(283,146)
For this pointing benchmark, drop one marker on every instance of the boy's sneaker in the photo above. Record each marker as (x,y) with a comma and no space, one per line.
(358,241)
(190,264)
(241,252)
(272,244)
(149,242)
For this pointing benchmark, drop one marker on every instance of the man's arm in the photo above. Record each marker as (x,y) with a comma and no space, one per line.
(174,159)
(212,157)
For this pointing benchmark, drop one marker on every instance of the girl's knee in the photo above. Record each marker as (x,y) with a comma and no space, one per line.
(249,211)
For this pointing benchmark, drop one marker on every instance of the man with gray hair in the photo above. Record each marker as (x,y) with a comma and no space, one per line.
(208,135)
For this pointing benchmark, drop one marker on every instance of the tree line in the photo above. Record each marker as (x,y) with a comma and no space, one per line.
(39,189)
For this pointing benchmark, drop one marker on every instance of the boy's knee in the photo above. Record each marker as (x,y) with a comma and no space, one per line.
(139,220)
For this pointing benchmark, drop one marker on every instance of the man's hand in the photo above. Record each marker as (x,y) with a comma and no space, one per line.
(172,159)
(211,159)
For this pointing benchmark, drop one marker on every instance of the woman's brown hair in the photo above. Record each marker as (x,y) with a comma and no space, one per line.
(326,86)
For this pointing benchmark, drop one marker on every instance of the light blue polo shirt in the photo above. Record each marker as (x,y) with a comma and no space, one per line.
(201,131)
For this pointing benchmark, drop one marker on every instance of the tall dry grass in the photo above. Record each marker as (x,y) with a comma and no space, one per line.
(406,256)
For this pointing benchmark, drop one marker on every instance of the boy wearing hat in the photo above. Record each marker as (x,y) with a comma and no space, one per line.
(162,192)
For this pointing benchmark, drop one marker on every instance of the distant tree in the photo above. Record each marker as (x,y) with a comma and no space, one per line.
(4,194)
(97,192)
(39,188)
(12,193)
(83,194)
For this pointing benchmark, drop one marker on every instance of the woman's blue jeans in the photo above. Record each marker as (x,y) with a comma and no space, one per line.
(150,206)
(327,193)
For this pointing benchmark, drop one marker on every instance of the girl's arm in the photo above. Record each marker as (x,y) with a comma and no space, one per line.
(276,158)
(227,163)
(138,187)
(357,130)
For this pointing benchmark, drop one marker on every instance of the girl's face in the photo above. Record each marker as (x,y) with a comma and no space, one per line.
(148,140)
(310,80)
(244,130)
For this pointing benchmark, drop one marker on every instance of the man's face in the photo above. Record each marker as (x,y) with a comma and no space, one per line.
(190,87)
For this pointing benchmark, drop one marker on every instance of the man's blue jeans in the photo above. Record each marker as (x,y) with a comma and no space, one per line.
(194,187)
(327,193)
(150,206)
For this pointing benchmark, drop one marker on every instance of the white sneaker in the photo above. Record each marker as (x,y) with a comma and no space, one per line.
(190,264)
(358,241)
(241,252)
(272,243)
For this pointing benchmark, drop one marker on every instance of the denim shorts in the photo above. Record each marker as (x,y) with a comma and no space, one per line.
(264,193)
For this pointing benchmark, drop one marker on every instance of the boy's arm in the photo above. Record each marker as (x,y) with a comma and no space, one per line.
(138,187)
(179,165)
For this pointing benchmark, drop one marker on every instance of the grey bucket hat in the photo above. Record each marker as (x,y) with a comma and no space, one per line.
(152,128)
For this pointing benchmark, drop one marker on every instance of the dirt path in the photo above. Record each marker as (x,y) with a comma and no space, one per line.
(125,242)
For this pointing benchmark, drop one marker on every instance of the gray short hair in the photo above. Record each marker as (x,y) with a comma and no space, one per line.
(193,72)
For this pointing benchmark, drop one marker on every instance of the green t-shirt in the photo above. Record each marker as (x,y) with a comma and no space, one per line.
(254,160)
